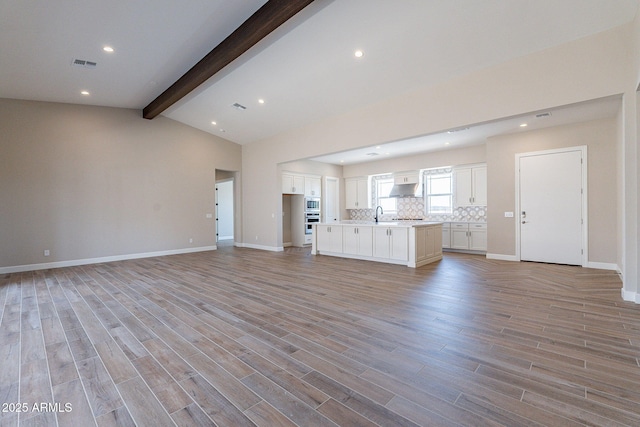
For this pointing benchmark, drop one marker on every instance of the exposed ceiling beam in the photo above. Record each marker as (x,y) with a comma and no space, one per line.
(266,19)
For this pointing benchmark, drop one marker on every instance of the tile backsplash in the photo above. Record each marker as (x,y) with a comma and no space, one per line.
(413,208)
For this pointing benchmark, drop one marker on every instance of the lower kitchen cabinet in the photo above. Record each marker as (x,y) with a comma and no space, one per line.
(478,237)
(412,245)
(357,240)
(446,235)
(329,238)
(391,243)
(468,236)
(428,243)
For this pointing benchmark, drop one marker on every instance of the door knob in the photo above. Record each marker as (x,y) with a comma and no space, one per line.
(524,222)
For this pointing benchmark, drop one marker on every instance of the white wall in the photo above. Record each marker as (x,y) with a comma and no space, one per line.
(600,137)
(94,182)
(434,159)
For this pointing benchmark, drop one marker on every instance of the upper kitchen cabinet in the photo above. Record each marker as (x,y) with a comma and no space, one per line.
(408,177)
(470,186)
(292,183)
(357,193)
(312,186)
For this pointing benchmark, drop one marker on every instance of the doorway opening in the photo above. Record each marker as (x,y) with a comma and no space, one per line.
(224,200)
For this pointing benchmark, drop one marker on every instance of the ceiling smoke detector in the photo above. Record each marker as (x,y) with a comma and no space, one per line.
(238,106)
(83,63)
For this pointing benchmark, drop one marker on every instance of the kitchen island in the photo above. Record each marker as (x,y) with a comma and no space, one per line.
(410,243)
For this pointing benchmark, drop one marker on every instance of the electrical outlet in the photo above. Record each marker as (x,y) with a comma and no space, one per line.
(190,240)
(209,216)
(47,252)
(256,237)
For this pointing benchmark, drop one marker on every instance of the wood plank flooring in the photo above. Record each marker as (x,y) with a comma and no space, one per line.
(240,337)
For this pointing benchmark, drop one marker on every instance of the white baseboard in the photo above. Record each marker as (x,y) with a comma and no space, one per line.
(85,261)
(630,296)
(602,265)
(261,247)
(502,257)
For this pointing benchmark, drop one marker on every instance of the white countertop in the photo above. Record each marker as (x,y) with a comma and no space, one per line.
(405,224)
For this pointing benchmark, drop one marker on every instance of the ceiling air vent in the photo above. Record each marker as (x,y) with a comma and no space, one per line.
(83,63)
(372,154)
(238,106)
(457,130)
(541,115)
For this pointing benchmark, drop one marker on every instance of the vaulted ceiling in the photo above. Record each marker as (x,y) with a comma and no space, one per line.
(304,71)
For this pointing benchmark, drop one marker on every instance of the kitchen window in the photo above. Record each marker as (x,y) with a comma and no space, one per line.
(438,191)
(382,185)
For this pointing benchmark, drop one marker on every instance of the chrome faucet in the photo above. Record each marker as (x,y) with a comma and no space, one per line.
(381,212)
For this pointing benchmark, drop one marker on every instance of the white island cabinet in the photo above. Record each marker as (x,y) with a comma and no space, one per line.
(328,237)
(412,243)
(391,243)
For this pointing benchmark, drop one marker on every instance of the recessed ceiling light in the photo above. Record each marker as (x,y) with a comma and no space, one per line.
(386,154)
(85,93)
(378,147)
(260,101)
(523,125)
(341,161)
(447,143)
(358,54)
(214,123)
(108,49)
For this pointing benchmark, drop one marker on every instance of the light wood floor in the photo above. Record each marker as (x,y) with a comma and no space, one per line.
(239,337)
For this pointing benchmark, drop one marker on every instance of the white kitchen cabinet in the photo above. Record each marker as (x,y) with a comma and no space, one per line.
(470,186)
(409,177)
(412,245)
(292,183)
(446,235)
(478,237)
(459,236)
(470,237)
(312,186)
(329,238)
(357,193)
(357,240)
(428,241)
(391,243)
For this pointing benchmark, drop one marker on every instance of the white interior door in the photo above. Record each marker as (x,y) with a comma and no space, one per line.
(331,200)
(551,204)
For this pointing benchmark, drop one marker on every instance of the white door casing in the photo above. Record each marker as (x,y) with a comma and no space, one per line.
(551,198)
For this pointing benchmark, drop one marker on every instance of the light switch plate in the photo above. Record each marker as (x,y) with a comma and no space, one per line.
(508,214)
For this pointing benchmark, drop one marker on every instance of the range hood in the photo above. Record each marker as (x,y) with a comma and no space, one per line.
(404,190)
